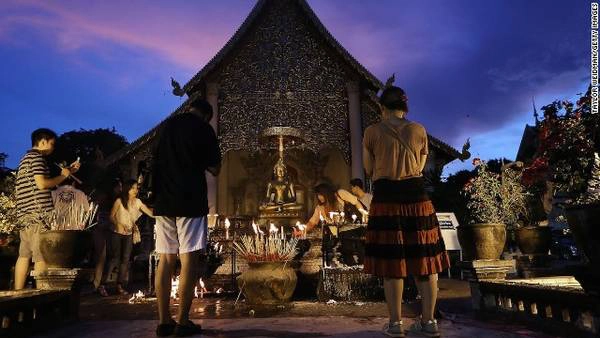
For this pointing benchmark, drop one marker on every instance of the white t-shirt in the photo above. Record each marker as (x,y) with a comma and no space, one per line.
(66,197)
(125,218)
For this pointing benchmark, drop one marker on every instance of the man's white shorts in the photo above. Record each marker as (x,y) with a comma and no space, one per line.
(180,234)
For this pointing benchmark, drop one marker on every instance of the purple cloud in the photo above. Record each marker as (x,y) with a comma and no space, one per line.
(470,68)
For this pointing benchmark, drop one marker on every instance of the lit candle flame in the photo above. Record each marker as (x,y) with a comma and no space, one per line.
(273,229)
(202,289)
(354,217)
(138,296)
(227,223)
(174,287)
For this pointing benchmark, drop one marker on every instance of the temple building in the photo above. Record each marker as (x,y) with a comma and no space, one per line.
(282,68)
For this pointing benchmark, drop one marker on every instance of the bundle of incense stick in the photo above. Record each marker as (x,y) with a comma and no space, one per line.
(75,218)
(269,249)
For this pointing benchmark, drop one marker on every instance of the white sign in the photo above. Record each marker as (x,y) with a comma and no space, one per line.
(448,224)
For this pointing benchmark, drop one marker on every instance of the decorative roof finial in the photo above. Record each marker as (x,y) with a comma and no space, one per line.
(390,81)
(465,154)
(177,91)
(535,113)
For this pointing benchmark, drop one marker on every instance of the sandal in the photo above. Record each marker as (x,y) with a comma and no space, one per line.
(164,330)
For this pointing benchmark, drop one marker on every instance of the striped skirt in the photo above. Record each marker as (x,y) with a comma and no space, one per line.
(403,235)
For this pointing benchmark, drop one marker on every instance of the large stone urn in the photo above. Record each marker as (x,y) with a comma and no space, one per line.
(534,240)
(584,222)
(267,283)
(65,248)
(482,240)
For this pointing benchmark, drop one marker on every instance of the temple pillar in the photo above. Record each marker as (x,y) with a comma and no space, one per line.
(212,96)
(355,124)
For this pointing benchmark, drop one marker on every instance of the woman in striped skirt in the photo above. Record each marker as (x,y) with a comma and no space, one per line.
(403,235)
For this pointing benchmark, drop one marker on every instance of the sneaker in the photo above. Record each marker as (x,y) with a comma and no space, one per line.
(102,291)
(187,329)
(393,329)
(427,329)
(164,330)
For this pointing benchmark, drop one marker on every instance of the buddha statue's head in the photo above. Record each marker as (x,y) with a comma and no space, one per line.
(280,170)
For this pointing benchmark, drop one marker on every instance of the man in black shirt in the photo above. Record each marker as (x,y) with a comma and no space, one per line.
(187,148)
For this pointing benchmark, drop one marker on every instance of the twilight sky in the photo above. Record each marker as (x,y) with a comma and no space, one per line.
(470,68)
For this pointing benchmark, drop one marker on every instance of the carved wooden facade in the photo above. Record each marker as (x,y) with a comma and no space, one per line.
(283,68)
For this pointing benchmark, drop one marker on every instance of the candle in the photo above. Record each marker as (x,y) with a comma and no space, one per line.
(354,217)
(202,288)
(302,228)
(342,214)
(273,229)
(227,225)
(261,234)
(282,233)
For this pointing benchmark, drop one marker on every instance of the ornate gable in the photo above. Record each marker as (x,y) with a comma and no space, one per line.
(283,73)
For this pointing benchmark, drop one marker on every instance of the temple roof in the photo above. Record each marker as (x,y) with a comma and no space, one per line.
(194,83)
(528,145)
(371,85)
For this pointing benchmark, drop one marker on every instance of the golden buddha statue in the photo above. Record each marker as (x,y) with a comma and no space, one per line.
(281,195)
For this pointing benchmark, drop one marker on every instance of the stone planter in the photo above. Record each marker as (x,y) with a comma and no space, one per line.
(8,258)
(584,222)
(482,240)
(65,248)
(267,283)
(534,240)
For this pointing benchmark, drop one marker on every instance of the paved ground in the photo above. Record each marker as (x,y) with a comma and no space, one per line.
(293,327)
(114,317)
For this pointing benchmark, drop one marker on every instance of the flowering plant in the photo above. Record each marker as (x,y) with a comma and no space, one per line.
(8,213)
(567,141)
(8,205)
(496,198)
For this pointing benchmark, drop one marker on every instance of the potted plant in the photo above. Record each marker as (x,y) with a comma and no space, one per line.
(64,241)
(495,201)
(8,220)
(568,145)
(8,212)
(8,238)
(269,280)
(534,236)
